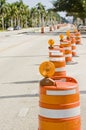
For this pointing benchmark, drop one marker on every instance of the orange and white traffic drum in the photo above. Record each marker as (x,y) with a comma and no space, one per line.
(66,44)
(56,55)
(60,105)
(73,45)
(78,37)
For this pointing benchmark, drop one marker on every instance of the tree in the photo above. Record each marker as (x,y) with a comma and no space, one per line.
(34,16)
(3,11)
(12,14)
(19,14)
(76,8)
(41,13)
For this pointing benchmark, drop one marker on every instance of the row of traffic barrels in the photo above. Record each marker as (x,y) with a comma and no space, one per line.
(59,97)
(63,53)
(53,27)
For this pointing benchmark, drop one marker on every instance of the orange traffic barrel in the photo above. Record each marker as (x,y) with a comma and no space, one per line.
(51,28)
(66,44)
(78,37)
(54,27)
(52,50)
(68,34)
(42,29)
(58,26)
(73,45)
(56,56)
(59,105)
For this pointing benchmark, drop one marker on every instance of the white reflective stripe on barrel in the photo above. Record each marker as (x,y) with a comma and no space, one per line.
(67,48)
(53,51)
(68,55)
(63,42)
(73,36)
(63,113)
(78,36)
(73,50)
(73,44)
(78,40)
(57,59)
(60,69)
(56,46)
(56,53)
(61,92)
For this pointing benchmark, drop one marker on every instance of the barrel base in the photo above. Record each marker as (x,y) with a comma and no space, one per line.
(62,124)
(78,42)
(74,54)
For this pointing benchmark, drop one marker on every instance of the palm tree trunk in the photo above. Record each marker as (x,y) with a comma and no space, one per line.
(26,23)
(11,22)
(19,22)
(39,19)
(42,20)
(2,22)
(15,22)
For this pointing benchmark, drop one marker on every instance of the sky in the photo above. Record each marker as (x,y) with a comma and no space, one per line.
(32,3)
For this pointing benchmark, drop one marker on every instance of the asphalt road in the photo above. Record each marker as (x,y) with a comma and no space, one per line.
(21,53)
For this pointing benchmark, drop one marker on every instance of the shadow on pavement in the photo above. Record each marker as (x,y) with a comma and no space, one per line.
(23,56)
(26,82)
(39,33)
(83,92)
(19,96)
(83,37)
(71,63)
(23,82)
(83,32)
(37,64)
(28,95)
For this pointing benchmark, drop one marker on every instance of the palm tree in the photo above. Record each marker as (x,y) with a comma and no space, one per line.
(24,15)
(34,16)
(53,17)
(13,14)
(3,11)
(41,13)
(18,13)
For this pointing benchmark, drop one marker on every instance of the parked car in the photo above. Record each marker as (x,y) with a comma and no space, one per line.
(10,29)
(81,28)
(17,28)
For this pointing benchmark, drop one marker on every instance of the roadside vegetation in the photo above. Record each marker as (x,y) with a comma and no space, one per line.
(19,14)
(75,8)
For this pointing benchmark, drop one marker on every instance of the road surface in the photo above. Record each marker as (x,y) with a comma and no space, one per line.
(21,53)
